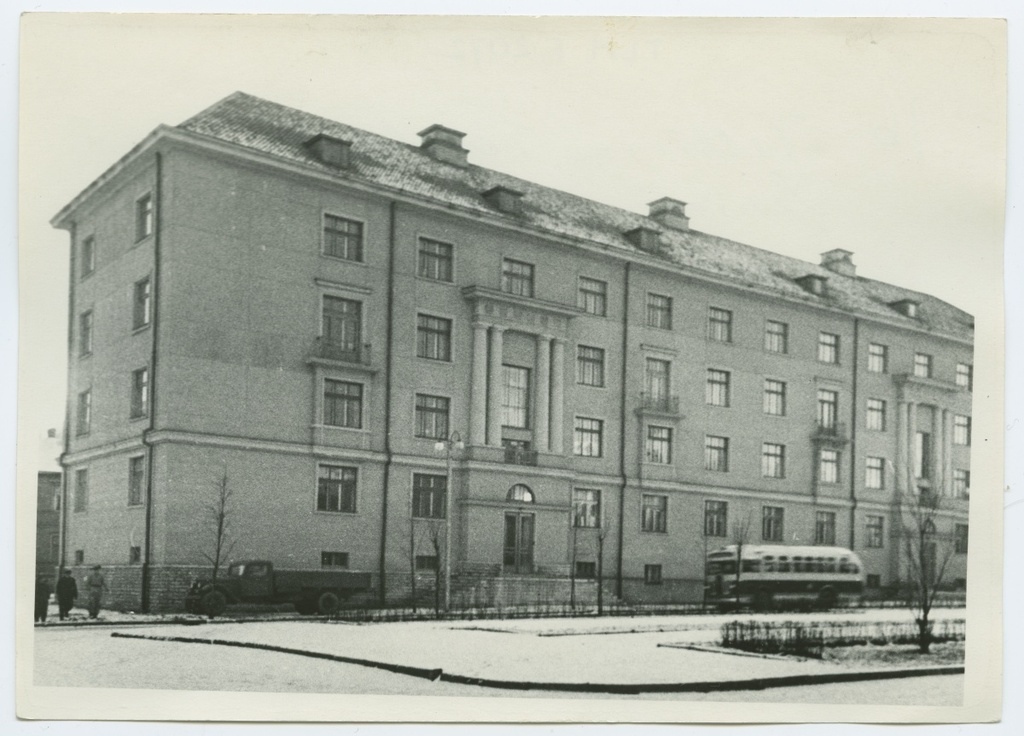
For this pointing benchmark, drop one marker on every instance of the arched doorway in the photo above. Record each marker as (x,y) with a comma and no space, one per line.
(520,525)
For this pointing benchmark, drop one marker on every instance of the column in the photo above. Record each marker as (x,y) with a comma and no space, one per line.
(557,409)
(494,387)
(543,388)
(939,452)
(478,387)
(911,446)
(902,454)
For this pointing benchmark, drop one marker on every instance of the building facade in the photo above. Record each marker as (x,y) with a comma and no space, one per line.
(360,337)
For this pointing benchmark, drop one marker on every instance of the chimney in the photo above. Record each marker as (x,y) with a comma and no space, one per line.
(504,199)
(670,213)
(812,283)
(330,150)
(444,144)
(645,238)
(839,261)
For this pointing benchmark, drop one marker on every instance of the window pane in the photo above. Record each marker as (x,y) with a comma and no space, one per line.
(659,311)
(776,337)
(343,238)
(433,337)
(435,260)
(515,397)
(336,489)
(517,278)
(432,416)
(343,404)
(592,297)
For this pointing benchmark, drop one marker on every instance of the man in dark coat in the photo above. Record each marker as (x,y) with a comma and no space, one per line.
(67,592)
(42,598)
(95,583)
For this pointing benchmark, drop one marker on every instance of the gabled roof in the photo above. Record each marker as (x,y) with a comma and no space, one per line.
(281,131)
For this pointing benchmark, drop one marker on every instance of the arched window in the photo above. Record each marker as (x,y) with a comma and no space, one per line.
(520,493)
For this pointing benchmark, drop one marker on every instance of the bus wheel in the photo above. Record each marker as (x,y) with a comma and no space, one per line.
(763,601)
(827,598)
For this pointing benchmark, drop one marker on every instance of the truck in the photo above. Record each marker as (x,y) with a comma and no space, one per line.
(256,581)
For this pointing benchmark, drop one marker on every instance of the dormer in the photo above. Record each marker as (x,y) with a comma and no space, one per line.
(839,261)
(504,199)
(327,149)
(812,283)
(906,307)
(669,213)
(444,144)
(645,238)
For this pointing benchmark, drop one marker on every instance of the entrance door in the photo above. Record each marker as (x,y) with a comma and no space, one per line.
(519,542)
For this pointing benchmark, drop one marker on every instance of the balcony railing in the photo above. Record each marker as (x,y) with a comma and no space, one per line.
(342,352)
(520,456)
(661,403)
(835,432)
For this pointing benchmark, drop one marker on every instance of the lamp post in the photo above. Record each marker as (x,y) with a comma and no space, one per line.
(453,442)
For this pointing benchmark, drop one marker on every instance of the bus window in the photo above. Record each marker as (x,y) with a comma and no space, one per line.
(783,564)
(853,568)
(830,564)
(844,565)
(819,564)
(722,567)
(768,564)
(798,564)
(751,566)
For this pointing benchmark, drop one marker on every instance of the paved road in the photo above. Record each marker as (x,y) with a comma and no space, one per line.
(90,657)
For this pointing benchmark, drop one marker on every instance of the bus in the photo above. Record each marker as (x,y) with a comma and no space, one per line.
(782,576)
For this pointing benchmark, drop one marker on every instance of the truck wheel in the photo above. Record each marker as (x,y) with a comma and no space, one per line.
(213,603)
(328,603)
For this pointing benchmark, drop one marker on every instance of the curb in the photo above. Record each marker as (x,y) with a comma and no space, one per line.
(435,674)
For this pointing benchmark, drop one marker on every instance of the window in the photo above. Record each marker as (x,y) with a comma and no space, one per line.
(433,337)
(828,408)
(716,454)
(828,466)
(774,397)
(435,260)
(587,437)
(874,529)
(519,493)
(134,555)
(88,264)
(961,430)
(658,447)
(426,563)
(343,238)
(334,559)
(342,327)
(517,277)
(515,401)
(79,556)
(429,494)
(140,393)
(336,489)
(825,528)
(719,325)
(85,333)
(878,358)
(586,508)
(717,388)
(922,365)
(652,574)
(876,415)
(965,376)
(771,523)
(586,570)
(923,454)
(776,337)
(343,404)
(828,347)
(81,498)
(962,483)
(143,217)
(136,480)
(657,379)
(659,311)
(84,417)
(432,416)
(716,518)
(589,366)
(653,513)
(874,473)
(593,296)
(141,306)
(773,460)
(960,537)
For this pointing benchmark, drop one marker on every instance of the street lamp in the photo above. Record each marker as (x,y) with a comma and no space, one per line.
(454,442)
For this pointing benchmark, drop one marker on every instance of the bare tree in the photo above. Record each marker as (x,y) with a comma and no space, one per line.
(218,514)
(927,554)
(740,535)
(412,561)
(572,568)
(602,534)
(437,541)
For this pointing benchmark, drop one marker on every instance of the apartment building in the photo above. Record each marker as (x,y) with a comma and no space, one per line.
(361,336)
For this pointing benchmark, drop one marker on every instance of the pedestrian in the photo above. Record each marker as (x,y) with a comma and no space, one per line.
(67,592)
(95,583)
(42,598)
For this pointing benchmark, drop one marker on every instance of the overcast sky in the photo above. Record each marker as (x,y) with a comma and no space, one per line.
(885,138)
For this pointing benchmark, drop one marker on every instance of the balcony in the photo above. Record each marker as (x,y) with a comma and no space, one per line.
(340,354)
(520,456)
(833,434)
(663,404)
